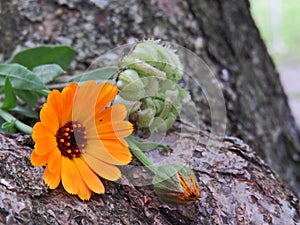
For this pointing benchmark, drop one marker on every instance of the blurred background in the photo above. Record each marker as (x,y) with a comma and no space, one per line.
(279,25)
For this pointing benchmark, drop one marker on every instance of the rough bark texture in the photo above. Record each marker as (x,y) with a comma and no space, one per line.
(236,186)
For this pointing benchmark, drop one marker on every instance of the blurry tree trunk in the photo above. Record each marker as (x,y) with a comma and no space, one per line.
(223,33)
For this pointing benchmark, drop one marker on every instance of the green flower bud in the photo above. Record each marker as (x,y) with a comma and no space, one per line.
(132,106)
(176,184)
(159,105)
(151,72)
(161,57)
(143,68)
(129,80)
(146,114)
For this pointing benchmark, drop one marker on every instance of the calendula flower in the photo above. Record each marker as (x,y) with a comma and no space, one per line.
(176,184)
(79,138)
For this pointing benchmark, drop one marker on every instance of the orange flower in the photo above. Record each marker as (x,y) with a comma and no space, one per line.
(78,138)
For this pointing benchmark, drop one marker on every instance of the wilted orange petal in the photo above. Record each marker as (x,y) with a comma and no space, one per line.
(89,177)
(113,113)
(37,160)
(107,93)
(54,101)
(54,160)
(67,98)
(116,129)
(118,150)
(52,179)
(49,118)
(97,150)
(103,169)
(70,178)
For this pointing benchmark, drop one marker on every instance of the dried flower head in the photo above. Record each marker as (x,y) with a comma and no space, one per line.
(176,184)
(78,138)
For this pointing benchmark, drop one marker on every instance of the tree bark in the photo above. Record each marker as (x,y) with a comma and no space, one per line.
(236,186)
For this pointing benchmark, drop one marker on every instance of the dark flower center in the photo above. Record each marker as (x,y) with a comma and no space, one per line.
(71,139)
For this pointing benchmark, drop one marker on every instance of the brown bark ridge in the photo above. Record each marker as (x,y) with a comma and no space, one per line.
(236,188)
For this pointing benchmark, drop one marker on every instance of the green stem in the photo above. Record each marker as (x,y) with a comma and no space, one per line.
(21,126)
(137,152)
(43,92)
(57,86)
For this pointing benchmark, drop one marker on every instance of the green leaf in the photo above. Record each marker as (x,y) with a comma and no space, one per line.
(9,126)
(48,72)
(32,57)
(25,112)
(29,97)
(20,77)
(1,122)
(104,73)
(10,100)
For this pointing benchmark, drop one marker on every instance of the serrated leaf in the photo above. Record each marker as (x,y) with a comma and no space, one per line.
(105,73)
(48,72)
(32,57)
(25,112)
(29,97)
(10,100)
(20,77)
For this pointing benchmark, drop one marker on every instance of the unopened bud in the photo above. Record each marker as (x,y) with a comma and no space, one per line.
(150,74)
(129,80)
(159,56)
(176,184)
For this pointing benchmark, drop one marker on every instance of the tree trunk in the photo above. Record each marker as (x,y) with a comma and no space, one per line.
(236,186)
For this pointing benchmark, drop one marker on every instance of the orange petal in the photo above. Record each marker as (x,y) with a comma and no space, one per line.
(54,160)
(96,149)
(40,132)
(107,93)
(41,148)
(85,101)
(84,193)
(103,169)
(89,177)
(49,118)
(37,160)
(114,129)
(52,179)
(67,96)
(115,113)
(54,101)
(71,179)
(118,150)
(44,140)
